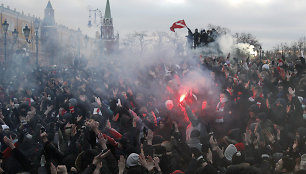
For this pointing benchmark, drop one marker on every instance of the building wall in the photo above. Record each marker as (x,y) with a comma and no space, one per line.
(70,43)
(19,21)
(67,39)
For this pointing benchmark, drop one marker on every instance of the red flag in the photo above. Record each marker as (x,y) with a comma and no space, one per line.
(178,24)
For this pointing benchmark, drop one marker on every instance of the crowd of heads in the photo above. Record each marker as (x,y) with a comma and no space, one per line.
(240,117)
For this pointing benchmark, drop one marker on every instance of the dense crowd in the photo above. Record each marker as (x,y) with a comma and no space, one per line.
(76,120)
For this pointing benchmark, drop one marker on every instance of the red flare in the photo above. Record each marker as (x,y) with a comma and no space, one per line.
(182,97)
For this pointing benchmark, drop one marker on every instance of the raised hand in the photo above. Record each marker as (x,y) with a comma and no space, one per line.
(209,156)
(98,100)
(121,164)
(9,142)
(213,143)
(102,141)
(62,169)
(53,169)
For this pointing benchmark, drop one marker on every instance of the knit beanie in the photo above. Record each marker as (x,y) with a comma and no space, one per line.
(240,146)
(230,151)
(132,160)
(177,172)
(73,102)
(303,162)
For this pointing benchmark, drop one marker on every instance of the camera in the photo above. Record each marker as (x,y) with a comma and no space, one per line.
(211,134)
(42,129)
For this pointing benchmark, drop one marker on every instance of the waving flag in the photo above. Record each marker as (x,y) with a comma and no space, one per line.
(178,24)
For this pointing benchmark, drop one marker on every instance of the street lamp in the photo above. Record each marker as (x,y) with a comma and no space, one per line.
(99,13)
(15,34)
(36,26)
(5,26)
(260,53)
(26,32)
(79,34)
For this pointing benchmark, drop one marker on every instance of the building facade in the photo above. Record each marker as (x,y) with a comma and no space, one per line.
(16,21)
(57,44)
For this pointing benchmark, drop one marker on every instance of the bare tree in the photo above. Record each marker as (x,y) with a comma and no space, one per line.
(247,38)
(221,30)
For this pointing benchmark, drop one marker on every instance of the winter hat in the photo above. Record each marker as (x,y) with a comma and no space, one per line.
(240,146)
(303,162)
(177,172)
(230,151)
(5,127)
(132,160)
(73,102)
(265,67)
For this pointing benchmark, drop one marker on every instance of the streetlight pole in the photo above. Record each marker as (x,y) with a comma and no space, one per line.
(15,35)
(36,26)
(260,53)
(96,12)
(5,26)
(26,32)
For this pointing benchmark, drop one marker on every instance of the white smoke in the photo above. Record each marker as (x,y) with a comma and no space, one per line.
(246,49)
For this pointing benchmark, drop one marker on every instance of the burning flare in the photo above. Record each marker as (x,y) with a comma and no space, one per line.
(182,97)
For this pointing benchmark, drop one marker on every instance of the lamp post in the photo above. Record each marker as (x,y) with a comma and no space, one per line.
(36,26)
(26,32)
(5,26)
(99,13)
(260,53)
(79,34)
(15,34)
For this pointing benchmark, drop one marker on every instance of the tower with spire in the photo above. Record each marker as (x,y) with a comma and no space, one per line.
(110,41)
(49,36)
(49,15)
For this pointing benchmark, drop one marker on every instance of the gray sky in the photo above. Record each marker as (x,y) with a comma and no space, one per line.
(271,21)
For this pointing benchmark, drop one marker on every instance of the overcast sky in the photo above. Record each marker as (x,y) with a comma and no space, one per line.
(271,21)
